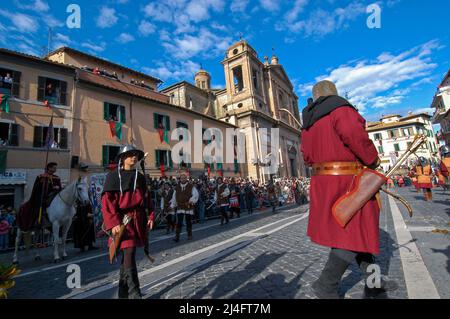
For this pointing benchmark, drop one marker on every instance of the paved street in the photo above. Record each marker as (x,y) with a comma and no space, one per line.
(264,255)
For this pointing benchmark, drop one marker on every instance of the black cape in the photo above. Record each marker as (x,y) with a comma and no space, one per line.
(322,107)
(112,182)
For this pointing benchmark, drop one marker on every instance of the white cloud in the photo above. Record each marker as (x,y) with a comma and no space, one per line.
(125,38)
(376,83)
(94,47)
(107,18)
(51,21)
(182,13)
(239,5)
(173,71)
(205,43)
(270,5)
(320,22)
(36,5)
(146,28)
(299,6)
(21,22)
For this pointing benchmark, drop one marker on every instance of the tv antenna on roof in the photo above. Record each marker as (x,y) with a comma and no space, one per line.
(49,43)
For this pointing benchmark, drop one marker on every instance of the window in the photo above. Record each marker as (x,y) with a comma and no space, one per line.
(191,104)
(9,82)
(184,125)
(396,147)
(377,137)
(109,153)
(380,150)
(163,157)
(238,79)
(408,131)
(9,134)
(393,133)
(114,112)
(255,79)
(161,121)
(51,90)
(59,137)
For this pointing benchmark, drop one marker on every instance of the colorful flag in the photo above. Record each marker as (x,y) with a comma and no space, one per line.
(116,129)
(161,169)
(166,136)
(161,134)
(50,138)
(4,103)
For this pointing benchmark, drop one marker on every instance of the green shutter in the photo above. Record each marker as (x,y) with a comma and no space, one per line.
(105,155)
(122,114)
(170,158)
(3,159)
(167,122)
(157,158)
(106,111)
(155,120)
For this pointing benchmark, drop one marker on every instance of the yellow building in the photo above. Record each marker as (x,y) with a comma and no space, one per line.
(88,96)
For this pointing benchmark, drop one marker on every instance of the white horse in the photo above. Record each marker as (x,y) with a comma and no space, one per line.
(60,214)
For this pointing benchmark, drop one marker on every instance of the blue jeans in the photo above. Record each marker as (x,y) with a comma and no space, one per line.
(4,241)
(201,211)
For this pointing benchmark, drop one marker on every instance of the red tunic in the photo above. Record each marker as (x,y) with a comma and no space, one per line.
(113,210)
(340,137)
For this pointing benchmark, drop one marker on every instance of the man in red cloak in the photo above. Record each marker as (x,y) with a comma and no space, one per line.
(337,146)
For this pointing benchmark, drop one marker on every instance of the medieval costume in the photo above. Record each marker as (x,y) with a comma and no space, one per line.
(272,196)
(444,167)
(83,228)
(336,144)
(235,207)
(221,197)
(168,213)
(32,214)
(125,193)
(423,172)
(184,198)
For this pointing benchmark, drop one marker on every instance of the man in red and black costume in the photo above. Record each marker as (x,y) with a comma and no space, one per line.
(46,187)
(337,146)
(125,193)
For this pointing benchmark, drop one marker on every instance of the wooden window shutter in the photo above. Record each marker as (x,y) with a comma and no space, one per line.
(63,93)
(167,122)
(155,120)
(16,84)
(105,155)
(157,158)
(122,114)
(38,136)
(41,89)
(106,111)
(14,135)
(63,138)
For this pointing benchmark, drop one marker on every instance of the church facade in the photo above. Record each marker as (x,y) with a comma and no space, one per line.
(257,95)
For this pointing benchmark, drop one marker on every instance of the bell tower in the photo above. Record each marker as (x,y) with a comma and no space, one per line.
(244,78)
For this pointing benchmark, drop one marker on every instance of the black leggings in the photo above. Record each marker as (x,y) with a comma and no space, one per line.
(129,258)
(180,222)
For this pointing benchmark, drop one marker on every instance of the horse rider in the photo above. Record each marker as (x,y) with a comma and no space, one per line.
(45,188)
(334,124)
(125,193)
(184,198)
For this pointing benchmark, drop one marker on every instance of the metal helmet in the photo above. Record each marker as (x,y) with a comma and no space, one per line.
(445,150)
(128,148)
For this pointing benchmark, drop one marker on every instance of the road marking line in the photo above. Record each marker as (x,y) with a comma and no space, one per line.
(157,239)
(419,283)
(100,289)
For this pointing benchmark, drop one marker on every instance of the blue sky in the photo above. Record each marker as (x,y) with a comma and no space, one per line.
(394,69)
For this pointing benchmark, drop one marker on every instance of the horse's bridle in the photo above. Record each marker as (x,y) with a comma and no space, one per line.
(76,193)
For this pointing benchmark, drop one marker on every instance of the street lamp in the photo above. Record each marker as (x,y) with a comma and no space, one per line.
(293,117)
